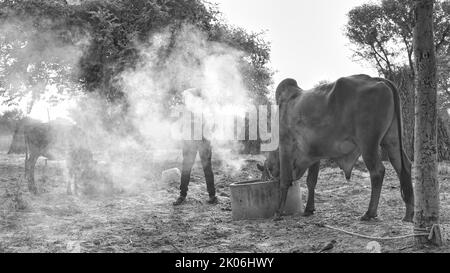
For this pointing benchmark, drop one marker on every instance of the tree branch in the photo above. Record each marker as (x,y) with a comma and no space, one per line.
(409,50)
(378,63)
(385,55)
(376,53)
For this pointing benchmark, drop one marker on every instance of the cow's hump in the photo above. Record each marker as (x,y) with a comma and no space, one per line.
(286,90)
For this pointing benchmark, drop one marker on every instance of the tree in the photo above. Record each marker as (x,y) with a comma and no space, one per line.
(114,28)
(118,24)
(383,35)
(36,50)
(426,216)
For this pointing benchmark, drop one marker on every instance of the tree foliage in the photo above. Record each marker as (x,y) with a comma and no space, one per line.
(382,33)
(114,28)
(35,49)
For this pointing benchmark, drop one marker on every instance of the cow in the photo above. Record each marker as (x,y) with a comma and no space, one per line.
(59,139)
(18,142)
(343,120)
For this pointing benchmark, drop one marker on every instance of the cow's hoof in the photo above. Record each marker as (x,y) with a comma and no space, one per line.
(308,213)
(213,200)
(277,217)
(33,190)
(408,219)
(367,217)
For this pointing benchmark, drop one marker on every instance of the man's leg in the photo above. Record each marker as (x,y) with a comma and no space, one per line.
(205,151)
(189,154)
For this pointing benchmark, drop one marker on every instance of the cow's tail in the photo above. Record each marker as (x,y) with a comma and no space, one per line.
(26,142)
(287,89)
(27,148)
(405,173)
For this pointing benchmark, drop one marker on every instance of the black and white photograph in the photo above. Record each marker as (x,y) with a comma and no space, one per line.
(241,128)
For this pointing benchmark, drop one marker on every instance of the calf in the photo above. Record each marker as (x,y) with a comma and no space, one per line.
(55,140)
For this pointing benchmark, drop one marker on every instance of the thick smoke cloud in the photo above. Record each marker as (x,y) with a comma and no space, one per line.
(198,76)
(169,69)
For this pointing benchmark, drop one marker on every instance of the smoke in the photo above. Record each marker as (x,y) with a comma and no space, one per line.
(187,72)
(175,71)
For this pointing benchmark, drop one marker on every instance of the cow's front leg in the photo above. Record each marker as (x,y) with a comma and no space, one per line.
(73,187)
(68,183)
(286,180)
(70,186)
(311,182)
(76,188)
(282,201)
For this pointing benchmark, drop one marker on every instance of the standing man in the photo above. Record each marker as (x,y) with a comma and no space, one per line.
(190,149)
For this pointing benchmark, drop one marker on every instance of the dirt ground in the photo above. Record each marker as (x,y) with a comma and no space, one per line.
(144,220)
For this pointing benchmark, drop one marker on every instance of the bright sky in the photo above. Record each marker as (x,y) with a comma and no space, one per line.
(307,36)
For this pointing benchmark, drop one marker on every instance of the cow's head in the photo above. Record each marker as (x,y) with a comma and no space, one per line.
(271,168)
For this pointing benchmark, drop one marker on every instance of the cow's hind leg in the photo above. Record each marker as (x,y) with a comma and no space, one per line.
(311,182)
(30,163)
(69,174)
(392,146)
(376,169)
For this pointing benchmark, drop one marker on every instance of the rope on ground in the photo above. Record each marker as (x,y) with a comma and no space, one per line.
(429,234)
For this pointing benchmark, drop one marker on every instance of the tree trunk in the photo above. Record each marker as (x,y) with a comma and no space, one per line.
(443,139)
(426,215)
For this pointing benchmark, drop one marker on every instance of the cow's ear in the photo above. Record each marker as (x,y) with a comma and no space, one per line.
(260,167)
